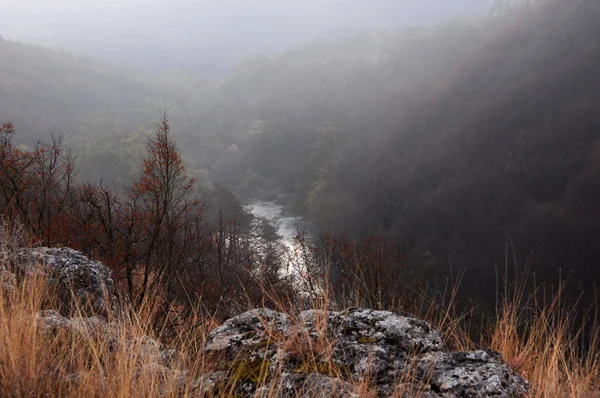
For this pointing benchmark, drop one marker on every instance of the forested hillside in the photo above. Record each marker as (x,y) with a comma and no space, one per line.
(208,36)
(457,140)
(452,139)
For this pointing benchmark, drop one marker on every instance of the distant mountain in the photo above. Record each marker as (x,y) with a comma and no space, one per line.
(41,89)
(207,35)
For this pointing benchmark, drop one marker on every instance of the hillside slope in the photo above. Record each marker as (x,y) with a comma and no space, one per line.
(453,139)
(509,151)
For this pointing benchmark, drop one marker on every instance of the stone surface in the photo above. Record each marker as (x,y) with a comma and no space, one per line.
(73,276)
(313,385)
(471,374)
(142,347)
(264,353)
(397,355)
(8,281)
(152,360)
(76,279)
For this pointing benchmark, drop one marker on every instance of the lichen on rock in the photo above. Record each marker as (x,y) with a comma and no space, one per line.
(267,353)
(393,353)
(82,285)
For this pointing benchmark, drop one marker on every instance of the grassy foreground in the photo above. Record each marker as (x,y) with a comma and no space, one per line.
(538,340)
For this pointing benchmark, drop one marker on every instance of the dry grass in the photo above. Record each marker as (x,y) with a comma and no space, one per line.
(554,348)
(72,361)
(539,340)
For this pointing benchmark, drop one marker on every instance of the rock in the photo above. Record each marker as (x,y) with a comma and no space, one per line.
(171,358)
(143,348)
(246,329)
(208,384)
(52,321)
(471,374)
(87,309)
(264,353)
(153,362)
(75,278)
(8,281)
(322,350)
(313,385)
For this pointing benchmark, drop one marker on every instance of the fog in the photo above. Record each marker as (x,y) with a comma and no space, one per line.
(455,129)
(206,35)
(433,158)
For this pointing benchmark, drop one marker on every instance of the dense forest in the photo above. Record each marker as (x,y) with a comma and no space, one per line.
(451,140)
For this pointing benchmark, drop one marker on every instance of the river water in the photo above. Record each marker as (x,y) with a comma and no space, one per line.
(287,225)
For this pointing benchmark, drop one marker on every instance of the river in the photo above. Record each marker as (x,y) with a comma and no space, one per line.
(287,225)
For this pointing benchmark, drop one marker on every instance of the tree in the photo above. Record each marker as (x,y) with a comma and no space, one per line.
(14,165)
(36,184)
(53,172)
(162,199)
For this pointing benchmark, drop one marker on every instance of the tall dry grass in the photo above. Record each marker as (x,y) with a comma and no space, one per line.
(555,347)
(540,340)
(84,360)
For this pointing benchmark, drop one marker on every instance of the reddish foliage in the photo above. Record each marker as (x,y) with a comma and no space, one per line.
(368,271)
(151,230)
(152,235)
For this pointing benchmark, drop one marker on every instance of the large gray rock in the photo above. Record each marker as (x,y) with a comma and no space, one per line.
(87,310)
(328,353)
(76,279)
(153,362)
(142,348)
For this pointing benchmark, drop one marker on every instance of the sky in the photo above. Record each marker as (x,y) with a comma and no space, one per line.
(207,34)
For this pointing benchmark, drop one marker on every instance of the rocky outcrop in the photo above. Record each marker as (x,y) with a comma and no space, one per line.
(263,352)
(75,278)
(86,308)
(151,359)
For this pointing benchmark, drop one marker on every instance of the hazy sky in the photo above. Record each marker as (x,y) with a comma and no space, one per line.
(195,34)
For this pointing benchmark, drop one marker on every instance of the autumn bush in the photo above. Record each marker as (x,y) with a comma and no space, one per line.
(154,235)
